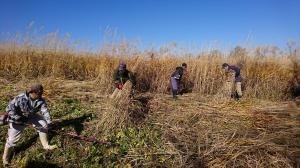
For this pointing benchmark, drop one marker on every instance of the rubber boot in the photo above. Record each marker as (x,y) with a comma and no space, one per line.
(239,89)
(45,142)
(6,155)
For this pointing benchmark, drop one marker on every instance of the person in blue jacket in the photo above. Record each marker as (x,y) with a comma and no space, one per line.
(236,75)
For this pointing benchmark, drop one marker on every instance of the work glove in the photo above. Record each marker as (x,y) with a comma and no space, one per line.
(119,86)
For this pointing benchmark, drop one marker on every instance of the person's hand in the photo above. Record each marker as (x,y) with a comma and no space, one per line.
(19,119)
(51,126)
(4,118)
(119,86)
(18,122)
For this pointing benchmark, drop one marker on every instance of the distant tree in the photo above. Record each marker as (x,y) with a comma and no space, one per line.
(292,48)
(238,51)
(215,53)
(239,54)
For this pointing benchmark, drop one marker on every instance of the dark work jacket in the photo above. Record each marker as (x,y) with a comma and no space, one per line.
(237,73)
(122,77)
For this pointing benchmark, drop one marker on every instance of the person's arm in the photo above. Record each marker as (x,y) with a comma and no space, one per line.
(116,77)
(177,75)
(11,109)
(117,80)
(45,112)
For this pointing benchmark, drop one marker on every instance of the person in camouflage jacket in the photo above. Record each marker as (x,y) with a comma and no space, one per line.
(22,110)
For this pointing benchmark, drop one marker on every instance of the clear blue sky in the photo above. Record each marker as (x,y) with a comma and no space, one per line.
(229,22)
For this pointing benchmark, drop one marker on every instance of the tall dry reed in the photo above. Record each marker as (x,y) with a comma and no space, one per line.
(263,76)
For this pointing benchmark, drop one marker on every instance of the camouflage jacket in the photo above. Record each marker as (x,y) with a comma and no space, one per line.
(22,107)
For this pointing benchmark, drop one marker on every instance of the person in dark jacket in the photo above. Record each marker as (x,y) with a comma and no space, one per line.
(233,74)
(123,79)
(176,78)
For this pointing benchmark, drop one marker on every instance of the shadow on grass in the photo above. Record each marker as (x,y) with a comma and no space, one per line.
(139,109)
(76,123)
(40,164)
(25,145)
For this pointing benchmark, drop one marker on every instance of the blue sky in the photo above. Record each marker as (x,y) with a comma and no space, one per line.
(224,22)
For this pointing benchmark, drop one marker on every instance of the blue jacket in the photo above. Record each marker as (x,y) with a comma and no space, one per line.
(237,73)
